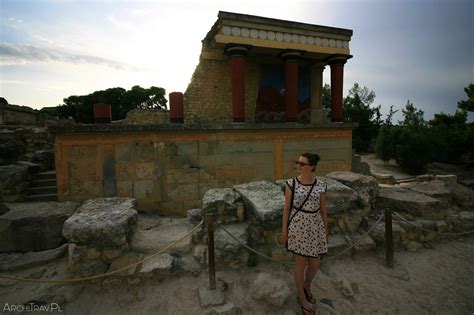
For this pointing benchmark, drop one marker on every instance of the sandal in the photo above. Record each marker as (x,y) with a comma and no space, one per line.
(309,296)
(304,309)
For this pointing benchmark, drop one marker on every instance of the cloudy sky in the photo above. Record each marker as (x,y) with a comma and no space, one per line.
(417,50)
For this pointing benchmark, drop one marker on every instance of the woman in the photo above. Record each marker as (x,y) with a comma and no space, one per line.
(304,226)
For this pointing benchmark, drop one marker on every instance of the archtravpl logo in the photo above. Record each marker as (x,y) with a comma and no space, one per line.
(32,307)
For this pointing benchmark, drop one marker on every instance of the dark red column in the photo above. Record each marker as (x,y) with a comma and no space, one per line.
(102,113)
(291,84)
(337,80)
(237,63)
(176,107)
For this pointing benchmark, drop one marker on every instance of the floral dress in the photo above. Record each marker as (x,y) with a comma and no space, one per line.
(306,230)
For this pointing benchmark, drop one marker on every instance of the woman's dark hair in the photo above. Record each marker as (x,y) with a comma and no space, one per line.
(313,159)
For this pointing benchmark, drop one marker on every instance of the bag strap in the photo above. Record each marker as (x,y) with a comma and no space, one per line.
(300,207)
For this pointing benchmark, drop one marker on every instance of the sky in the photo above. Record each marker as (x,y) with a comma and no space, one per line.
(417,50)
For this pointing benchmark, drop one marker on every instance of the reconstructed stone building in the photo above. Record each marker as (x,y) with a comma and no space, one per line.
(253,105)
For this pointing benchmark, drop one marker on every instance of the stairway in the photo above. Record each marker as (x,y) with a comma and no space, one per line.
(43,187)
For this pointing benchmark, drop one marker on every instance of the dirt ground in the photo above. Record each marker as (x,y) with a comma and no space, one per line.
(437,280)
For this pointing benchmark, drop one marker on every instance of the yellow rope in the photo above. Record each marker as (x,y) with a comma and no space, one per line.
(75,280)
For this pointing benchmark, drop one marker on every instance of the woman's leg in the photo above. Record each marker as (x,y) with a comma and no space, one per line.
(299,280)
(310,273)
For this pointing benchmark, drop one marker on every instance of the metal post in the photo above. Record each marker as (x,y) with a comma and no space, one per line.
(210,251)
(388,238)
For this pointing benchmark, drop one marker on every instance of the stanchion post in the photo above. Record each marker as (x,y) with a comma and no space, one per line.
(210,251)
(388,238)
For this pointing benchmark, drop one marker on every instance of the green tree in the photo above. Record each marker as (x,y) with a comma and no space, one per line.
(357,109)
(385,144)
(469,103)
(327,99)
(413,117)
(121,101)
(458,119)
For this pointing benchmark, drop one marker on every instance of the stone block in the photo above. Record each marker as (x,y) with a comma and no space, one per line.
(144,152)
(143,189)
(183,176)
(124,171)
(124,189)
(83,169)
(123,152)
(145,171)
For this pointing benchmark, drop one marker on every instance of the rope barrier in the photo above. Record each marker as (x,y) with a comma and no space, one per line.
(76,280)
(292,263)
(421,228)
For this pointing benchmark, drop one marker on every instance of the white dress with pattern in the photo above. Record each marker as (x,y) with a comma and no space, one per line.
(306,231)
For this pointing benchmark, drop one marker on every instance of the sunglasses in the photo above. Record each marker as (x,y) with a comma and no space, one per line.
(301,163)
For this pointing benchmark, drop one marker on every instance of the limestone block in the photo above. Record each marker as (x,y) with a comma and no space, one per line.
(228,250)
(14,182)
(106,222)
(124,189)
(124,261)
(409,201)
(365,186)
(159,267)
(145,171)
(272,290)
(263,202)
(34,226)
(221,201)
(16,261)
(153,239)
(142,189)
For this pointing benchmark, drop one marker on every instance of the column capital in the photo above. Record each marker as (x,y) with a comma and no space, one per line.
(236,50)
(291,55)
(338,59)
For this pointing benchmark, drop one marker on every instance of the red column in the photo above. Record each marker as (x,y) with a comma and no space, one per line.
(102,113)
(291,84)
(176,107)
(237,63)
(337,80)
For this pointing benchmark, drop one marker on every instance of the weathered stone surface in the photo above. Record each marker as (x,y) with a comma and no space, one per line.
(14,179)
(378,233)
(448,179)
(124,261)
(263,202)
(159,267)
(188,264)
(106,222)
(409,201)
(228,250)
(15,261)
(350,220)
(340,197)
(214,297)
(434,188)
(3,207)
(161,235)
(463,197)
(363,243)
(33,168)
(272,290)
(34,226)
(226,309)
(221,201)
(365,186)
(336,244)
(45,158)
(462,221)
(386,179)
(194,216)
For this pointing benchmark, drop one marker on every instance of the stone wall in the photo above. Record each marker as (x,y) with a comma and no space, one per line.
(168,171)
(147,117)
(208,98)
(17,115)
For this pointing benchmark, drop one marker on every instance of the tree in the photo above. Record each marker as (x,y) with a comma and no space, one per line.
(327,99)
(413,117)
(357,109)
(384,144)
(458,119)
(469,104)
(122,101)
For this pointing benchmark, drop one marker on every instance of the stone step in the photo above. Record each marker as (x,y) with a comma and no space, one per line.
(43,182)
(46,175)
(45,197)
(46,190)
